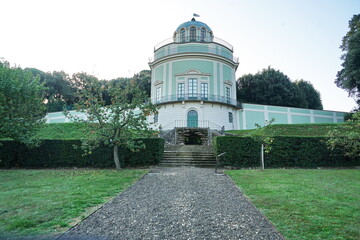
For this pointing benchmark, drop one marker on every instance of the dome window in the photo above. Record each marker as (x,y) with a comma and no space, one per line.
(192,34)
(203,34)
(182,35)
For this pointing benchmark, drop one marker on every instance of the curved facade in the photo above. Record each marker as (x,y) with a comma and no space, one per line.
(193,80)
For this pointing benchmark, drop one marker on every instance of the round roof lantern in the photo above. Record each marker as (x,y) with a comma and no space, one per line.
(193,31)
(193,23)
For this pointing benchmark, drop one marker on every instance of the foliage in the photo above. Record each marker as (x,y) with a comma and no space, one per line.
(310,94)
(305,152)
(59,91)
(61,154)
(348,77)
(299,130)
(350,141)
(46,202)
(21,104)
(273,87)
(305,204)
(117,124)
(263,135)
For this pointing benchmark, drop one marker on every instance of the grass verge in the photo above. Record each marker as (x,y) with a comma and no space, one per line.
(46,202)
(306,204)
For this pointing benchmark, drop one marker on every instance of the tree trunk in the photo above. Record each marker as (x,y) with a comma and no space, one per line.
(262,157)
(116,157)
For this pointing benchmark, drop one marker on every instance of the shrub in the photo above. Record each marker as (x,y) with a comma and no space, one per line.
(305,152)
(61,153)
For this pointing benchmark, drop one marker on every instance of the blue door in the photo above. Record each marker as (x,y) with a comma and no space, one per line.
(192,118)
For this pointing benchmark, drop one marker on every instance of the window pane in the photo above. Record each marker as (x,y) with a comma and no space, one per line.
(192,34)
(192,87)
(203,34)
(230,117)
(182,35)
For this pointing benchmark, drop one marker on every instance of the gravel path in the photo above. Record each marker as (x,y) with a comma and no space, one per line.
(177,203)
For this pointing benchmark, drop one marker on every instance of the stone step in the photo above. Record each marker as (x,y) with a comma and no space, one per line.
(186,164)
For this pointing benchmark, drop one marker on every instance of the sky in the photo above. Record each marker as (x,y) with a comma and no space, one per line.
(115,38)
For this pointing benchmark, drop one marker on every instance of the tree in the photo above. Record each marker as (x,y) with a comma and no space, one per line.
(271,87)
(22,107)
(348,77)
(119,124)
(262,135)
(310,95)
(347,137)
(59,91)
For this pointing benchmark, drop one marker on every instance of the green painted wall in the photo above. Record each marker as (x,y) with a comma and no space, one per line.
(278,109)
(279,118)
(159,72)
(253,118)
(226,73)
(323,120)
(324,113)
(253,106)
(300,119)
(185,65)
(299,110)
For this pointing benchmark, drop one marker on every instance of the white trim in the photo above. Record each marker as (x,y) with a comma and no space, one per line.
(289,118)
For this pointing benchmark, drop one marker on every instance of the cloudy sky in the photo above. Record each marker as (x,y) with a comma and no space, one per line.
(115,38)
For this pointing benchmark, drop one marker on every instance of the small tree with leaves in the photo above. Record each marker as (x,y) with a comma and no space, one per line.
(118,124)
(347,137)
(22,108)
(262,135)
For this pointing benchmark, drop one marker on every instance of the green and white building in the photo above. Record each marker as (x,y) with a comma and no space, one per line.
(193,83)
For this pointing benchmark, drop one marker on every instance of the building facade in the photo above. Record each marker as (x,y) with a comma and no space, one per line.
(193,83)
(193,80)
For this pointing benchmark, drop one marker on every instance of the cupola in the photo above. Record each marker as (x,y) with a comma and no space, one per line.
(193,31)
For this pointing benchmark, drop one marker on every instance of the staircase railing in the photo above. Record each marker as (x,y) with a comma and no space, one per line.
(218,160)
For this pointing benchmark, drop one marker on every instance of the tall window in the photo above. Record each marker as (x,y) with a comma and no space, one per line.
(231,120)
(227,94)
(158,94)
(181,91)
(156,118)
(192,87)
(192,34)
(182,35)
(204,91)
(203,34)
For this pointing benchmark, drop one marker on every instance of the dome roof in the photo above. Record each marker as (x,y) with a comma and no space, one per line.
(194,23)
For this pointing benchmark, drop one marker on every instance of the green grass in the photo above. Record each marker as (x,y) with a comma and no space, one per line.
(46,202)
(59,131)
(306,130)
(306,204)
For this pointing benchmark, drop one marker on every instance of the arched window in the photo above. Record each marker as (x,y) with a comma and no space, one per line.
(192,34)
(182,35)
(203,34)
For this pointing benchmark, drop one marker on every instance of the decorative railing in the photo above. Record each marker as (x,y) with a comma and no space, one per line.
(191,48)
(192,123)
(188,39)
(197,97)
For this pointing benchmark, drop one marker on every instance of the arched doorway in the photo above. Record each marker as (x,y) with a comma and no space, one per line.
(192,118)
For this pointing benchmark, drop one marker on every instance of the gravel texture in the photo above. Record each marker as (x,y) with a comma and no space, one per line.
(177,203)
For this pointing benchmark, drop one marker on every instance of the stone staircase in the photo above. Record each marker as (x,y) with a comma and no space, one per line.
(188,155)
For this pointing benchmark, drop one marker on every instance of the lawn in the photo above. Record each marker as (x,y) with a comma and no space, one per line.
(306,204)
(46,202)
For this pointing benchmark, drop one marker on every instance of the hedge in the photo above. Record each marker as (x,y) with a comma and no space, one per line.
(61,153)
(304,152)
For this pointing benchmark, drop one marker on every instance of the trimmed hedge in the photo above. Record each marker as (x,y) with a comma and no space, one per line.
(304,152)
(61,153)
